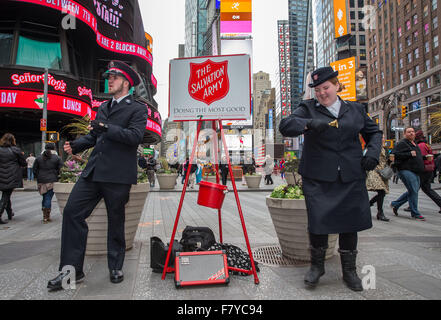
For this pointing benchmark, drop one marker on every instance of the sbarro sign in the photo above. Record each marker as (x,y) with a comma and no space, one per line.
(216,87)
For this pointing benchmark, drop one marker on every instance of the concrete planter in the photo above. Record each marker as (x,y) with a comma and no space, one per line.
(253,182)
(290,220)
(167,181)
(211,179)
(289,177)
(97,222)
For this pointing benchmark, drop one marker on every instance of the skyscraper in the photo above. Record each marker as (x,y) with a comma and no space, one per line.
(301,46)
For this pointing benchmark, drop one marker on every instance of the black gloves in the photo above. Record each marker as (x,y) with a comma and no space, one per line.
(368,163)
(317,125)
(99,127)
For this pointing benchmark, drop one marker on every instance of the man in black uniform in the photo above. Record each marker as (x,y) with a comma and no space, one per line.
(111,170)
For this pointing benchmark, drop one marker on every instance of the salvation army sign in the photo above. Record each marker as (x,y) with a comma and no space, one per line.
(210,88)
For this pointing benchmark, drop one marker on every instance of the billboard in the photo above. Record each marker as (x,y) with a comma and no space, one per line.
(236,19)
(231,47)
(346,75)
(340,18)
(112,22)
(210,88)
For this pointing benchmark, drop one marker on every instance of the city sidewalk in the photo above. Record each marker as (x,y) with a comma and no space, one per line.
(405,253)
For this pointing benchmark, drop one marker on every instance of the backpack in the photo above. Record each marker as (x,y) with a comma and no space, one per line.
(197,238)
(236,257)
(158,254)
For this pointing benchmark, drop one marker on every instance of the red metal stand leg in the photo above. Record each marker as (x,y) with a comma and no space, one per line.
(256,279)
(216,161)
(164,272)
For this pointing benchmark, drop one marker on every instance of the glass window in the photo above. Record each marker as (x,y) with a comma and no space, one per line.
(435,23)
(39,53)
(435,41)
(434,4)
(5,47)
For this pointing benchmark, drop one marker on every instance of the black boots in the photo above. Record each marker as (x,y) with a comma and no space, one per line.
(348,264)
(46,215)
(317,266)
(2,208)
(381,216)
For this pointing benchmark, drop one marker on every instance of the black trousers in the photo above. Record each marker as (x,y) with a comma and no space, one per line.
(224,176)
(425,180)
(269,179)
(379,199)
(84,197)
(346,241)
(5,202)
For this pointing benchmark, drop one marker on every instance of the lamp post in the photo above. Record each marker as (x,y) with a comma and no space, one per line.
(43,133)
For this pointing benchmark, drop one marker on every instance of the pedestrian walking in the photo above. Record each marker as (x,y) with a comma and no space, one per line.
(333,171)
(115,134)
(223,167)
(282,168)
(151,167)
(269,167)
(409,163)
(30,163)
(12,159)
(199,172)
(376,183)
(47,169)
(429,166)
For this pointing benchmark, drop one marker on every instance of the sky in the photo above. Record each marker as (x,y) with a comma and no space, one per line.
(165,22)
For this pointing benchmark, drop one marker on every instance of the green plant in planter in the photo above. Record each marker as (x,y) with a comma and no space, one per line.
(252,174)
(292,165)
(74,165)
(289,191)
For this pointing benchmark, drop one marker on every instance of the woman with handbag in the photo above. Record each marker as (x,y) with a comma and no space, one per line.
(376,182)
(46,170)
(429,167)
(12,159)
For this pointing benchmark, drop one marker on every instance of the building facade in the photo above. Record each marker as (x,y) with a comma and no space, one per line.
(301,46)
(404,65)
(74,42)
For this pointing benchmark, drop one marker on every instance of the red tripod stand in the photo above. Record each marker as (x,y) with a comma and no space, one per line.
(253,268)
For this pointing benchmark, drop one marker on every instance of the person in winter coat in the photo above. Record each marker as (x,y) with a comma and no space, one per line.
(12,159)
(409,163)
(47,169)
(269,167)
(333,169)
(375,182)
(429,167)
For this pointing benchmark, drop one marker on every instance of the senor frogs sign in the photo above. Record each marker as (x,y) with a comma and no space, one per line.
(210,88)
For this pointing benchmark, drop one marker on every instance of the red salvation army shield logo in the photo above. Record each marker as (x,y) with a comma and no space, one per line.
(208,81)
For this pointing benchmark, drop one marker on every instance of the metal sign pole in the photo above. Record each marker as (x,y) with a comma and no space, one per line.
(43,133)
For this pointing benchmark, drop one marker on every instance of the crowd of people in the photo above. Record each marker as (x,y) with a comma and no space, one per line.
(336,173)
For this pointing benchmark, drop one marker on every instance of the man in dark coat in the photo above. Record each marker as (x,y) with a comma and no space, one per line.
(111,170)
(333,171)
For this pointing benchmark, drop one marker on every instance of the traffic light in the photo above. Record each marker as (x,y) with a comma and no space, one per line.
(52,136)
(403,112)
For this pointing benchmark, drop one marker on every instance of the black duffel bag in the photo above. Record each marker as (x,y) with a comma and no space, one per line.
(158,254)
(197,239)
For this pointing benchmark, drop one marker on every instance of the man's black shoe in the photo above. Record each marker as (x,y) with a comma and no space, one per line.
(395,210)
(116,276)
(57,283)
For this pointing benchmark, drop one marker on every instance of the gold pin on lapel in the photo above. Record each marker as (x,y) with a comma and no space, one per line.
(334,123)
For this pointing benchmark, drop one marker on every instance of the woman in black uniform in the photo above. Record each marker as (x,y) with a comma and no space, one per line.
(333,169)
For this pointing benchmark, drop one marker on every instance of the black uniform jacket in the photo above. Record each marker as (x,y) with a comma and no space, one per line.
(334,149)
(114,158)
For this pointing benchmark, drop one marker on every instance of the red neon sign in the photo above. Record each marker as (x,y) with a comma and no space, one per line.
(81,13)
(34,100)
(27,77)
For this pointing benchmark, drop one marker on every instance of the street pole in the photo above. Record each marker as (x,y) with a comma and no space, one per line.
(43,133)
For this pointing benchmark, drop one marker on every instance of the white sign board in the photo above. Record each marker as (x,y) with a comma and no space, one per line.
(214,88)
